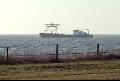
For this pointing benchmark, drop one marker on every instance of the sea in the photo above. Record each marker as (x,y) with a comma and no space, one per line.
(79,45)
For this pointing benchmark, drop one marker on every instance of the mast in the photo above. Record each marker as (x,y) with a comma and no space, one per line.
(51,28)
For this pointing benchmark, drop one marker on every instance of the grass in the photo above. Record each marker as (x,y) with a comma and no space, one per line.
(80,70)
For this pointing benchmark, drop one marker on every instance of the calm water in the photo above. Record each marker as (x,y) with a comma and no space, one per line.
(107,42)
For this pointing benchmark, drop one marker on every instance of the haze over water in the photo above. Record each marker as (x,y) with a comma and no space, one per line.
(79,45)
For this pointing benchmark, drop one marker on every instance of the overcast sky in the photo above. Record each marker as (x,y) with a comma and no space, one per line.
(29,16)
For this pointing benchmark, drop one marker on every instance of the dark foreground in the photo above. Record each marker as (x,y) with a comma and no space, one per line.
(80,70)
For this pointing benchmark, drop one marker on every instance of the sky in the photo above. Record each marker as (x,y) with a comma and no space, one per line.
(30,16)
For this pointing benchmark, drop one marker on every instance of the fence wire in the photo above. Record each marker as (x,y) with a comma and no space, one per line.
(47,53)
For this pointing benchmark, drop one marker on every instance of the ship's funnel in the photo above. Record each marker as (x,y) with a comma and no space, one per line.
(76,32)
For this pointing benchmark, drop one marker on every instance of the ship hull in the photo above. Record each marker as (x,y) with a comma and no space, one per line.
(47,35)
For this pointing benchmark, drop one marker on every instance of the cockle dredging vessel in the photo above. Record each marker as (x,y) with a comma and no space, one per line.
(51,32)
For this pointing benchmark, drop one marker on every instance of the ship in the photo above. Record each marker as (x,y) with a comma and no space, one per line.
(51,32)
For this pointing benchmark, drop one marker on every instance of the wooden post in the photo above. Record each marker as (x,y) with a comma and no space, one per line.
(57,53)
(98,50)
(7,55)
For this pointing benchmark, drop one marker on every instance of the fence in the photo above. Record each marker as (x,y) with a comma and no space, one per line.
(52,53)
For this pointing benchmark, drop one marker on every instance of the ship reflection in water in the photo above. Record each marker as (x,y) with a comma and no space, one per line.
(51,32)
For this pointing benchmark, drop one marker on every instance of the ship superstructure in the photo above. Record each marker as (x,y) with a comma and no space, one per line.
(51,32)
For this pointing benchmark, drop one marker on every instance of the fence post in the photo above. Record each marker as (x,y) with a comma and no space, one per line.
(7,55)
(98,46)
(57,53)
